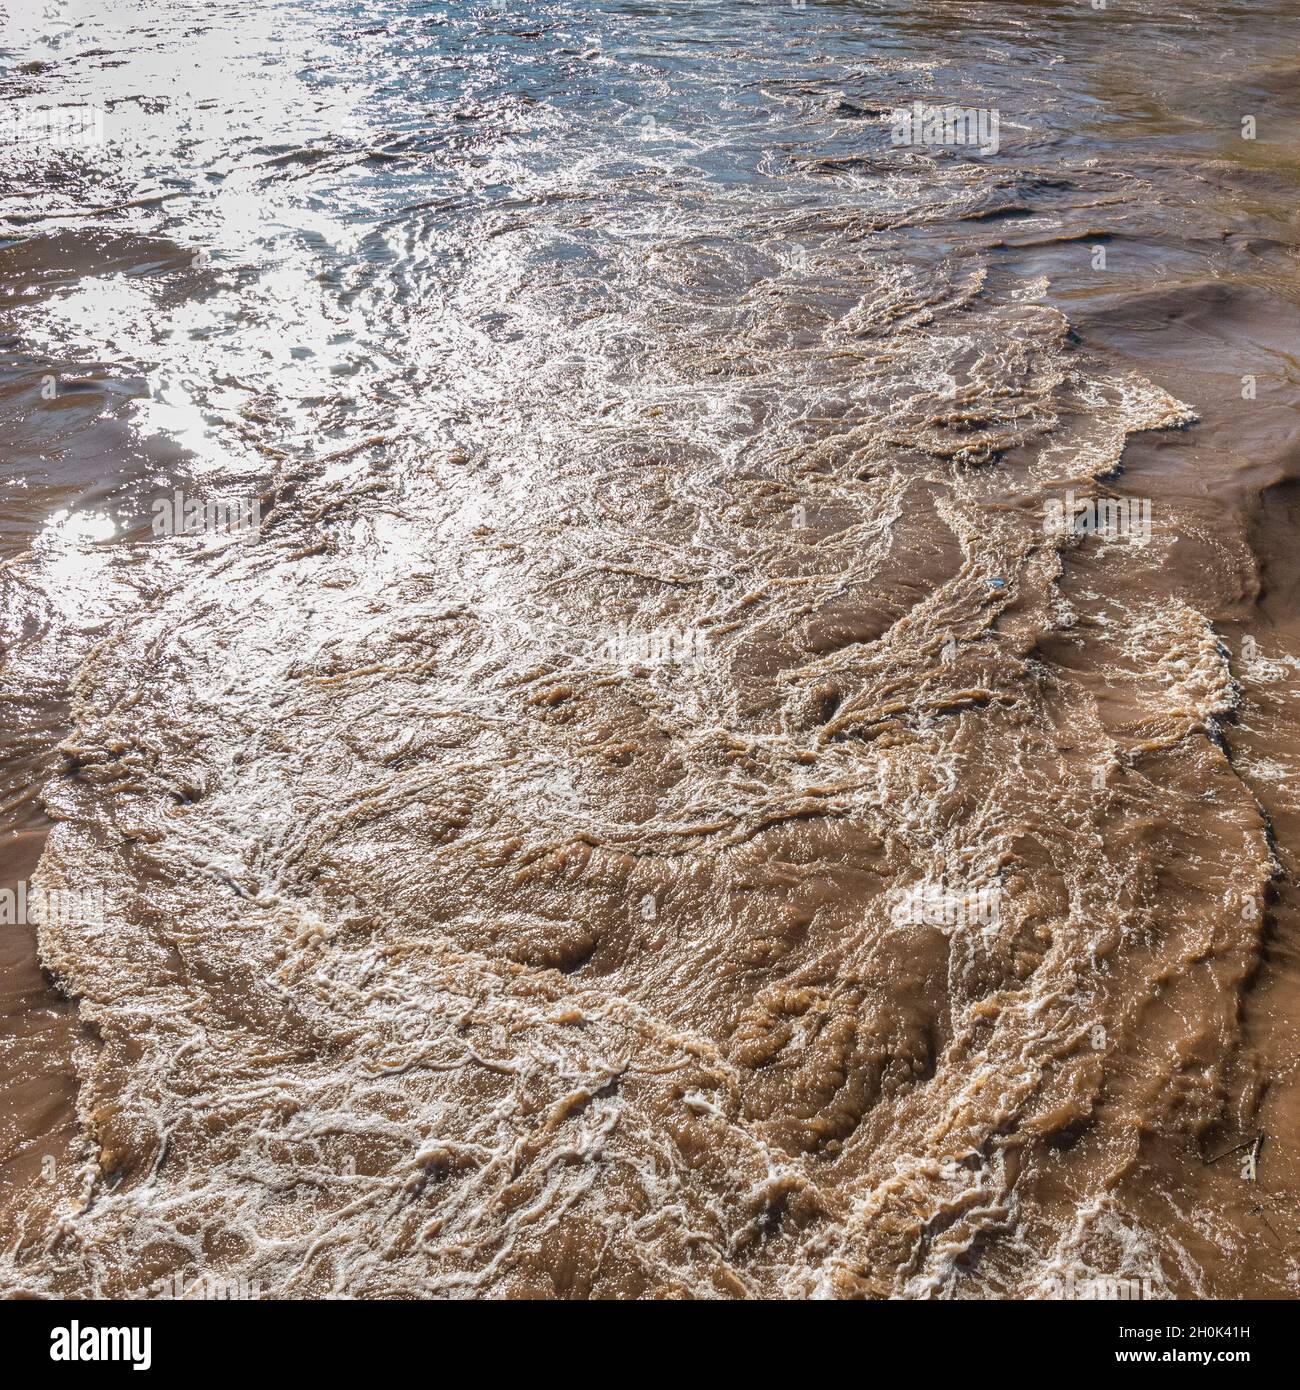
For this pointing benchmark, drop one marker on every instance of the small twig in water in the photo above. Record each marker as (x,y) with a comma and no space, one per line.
(1236,1148)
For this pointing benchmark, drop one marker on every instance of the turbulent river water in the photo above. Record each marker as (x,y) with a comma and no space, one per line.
(620,788)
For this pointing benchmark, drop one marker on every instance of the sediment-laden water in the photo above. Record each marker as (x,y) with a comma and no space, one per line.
(638,679)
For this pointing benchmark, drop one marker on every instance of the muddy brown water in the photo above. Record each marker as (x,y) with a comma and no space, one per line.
(620,788)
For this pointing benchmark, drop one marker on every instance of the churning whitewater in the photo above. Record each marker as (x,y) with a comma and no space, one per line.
(639,792)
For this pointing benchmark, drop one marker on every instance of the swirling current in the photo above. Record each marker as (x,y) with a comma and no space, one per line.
(665,685)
